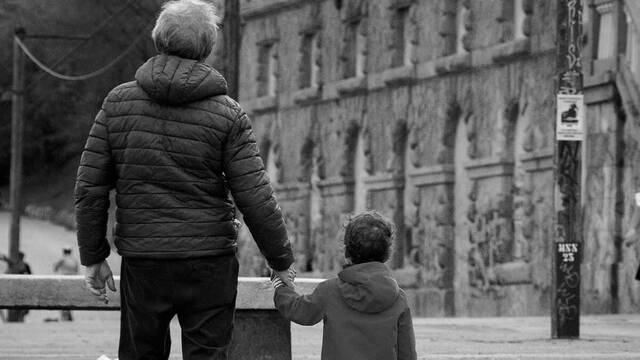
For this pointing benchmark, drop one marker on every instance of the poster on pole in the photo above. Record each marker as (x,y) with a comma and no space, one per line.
(570,118)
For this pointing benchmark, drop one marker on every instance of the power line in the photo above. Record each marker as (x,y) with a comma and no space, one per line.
(90,75)
(95,31)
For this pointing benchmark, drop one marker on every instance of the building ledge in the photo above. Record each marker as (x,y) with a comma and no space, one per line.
(500,53)
(489,167)
(384,182)
(307,95)
(410,74)
(336,186)
(404,75)
(291,191)
(254,8)
(261,104)
(510,50)
(537,161)
(599,87)
(432,175)
(352,85)
(452,63)
(598,79)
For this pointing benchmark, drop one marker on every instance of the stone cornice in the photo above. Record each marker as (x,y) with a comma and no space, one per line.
(489,167)
(432,175)
(307,95)
(537,161)
(292,191)
(384,182)
(255,8)
(402,76)
(336,186)
(261,104)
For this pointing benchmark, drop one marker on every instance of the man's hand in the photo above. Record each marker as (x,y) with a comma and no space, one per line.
(286,276)
(98,277)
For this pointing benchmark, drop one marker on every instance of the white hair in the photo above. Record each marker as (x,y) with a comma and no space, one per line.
(186,28)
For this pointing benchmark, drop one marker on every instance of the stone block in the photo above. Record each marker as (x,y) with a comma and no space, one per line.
(517,272)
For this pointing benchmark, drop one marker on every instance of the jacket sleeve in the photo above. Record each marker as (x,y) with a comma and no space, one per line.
(301,309)
(406,337)
(252,192)
(94,181)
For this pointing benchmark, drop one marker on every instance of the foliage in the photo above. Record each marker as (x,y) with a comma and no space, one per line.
(58,114)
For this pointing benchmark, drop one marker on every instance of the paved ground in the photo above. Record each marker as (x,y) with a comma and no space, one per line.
(603,337)
(96,333)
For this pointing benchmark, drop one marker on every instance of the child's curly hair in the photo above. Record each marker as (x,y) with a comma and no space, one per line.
(368,237)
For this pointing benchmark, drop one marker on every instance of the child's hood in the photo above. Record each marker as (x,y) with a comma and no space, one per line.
(368,287)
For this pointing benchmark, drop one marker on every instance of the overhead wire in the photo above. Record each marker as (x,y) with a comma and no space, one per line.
(82,77)
(93,33)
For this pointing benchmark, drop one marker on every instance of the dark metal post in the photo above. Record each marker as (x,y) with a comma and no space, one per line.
(17,135)
(570,131)
(232,45)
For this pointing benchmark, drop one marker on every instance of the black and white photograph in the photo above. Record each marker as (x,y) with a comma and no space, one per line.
(320,179)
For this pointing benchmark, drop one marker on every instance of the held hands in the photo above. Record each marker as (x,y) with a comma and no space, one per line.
(283,278)
(97,278)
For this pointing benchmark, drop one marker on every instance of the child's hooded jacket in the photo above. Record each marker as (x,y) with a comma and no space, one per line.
(365,314)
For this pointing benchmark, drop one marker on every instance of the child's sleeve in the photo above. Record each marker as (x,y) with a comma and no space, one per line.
(301,309)
(406,338)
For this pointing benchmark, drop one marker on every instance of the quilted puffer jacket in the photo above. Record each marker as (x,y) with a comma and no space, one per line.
(174,146)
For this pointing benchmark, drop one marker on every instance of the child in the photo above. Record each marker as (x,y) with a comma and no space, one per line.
(364,311)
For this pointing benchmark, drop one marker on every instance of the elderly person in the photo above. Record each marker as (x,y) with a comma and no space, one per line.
(173,145)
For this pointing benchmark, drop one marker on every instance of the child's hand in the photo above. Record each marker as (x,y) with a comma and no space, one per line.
(283,278)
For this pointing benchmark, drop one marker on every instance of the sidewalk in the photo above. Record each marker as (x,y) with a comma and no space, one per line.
(603,337)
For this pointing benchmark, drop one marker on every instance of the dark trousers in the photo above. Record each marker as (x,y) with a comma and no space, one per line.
(202,292)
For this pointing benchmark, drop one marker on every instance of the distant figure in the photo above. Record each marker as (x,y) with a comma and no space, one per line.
(20,267)
(17,267)
(365,313)
(67,265)
(175,148)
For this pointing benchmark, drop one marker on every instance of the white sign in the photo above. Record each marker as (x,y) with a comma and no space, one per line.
(570,117)
(637,199)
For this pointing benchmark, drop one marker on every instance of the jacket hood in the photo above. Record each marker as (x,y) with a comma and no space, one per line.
(174,80)
(368,287)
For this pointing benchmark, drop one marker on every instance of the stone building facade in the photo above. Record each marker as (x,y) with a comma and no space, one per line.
(440,114)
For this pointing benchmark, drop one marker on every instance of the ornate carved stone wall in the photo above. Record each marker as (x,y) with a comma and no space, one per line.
(455,145)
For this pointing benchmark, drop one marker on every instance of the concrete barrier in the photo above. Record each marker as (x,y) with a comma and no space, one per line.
(259,333)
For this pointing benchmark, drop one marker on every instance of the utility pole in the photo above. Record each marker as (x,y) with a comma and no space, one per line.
(17,135)
(231,34)
(570,132)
